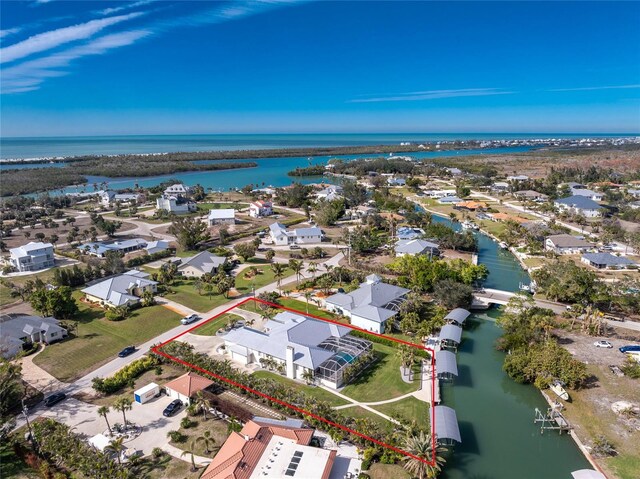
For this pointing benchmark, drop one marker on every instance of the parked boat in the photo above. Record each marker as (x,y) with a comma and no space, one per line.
(469,225)
(557,387)
(504,245)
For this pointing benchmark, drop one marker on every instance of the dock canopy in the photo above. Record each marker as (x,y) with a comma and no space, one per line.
(445,424)
(446,363)
(457,316)
(588,474)
(451,333)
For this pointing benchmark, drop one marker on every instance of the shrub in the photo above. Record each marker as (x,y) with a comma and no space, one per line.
(631,368)
(147,258)
(176,436)
(124,376)
(157,453)
(186,423)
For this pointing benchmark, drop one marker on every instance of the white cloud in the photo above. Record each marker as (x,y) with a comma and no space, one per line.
(29,75)
(434,95)
(54,38)
(128,6)
(9,31)
(592,88)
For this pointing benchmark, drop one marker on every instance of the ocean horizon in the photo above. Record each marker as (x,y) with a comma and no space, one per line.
(67,146)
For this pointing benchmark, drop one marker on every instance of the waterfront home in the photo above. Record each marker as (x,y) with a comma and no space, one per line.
(186,387)
(280,236)
(260,208)
(32,256)
(178,189)
(108,198)
(531,196)
(201,264)
(607,261)
(439,193)
(268,447)
(371,305)
(300,345)
(579,205)
(471,205)
(567,244)
(101,248)
(178,205)
(449,200)
(120,290)
(225,216)
(19,331)
(408,233)
(414,247)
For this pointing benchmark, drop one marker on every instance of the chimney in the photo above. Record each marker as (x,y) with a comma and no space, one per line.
(289,362)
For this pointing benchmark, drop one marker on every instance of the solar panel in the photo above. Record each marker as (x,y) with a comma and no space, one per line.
(293,465)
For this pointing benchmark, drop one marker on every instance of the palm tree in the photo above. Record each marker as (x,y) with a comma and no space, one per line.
(190,451)
(123,404)
(308,376)
(201,403)
(312,269)
(103,411)
(116,446)
(207,440)
(278,272)
(421,446)
(296,266)
(307,296)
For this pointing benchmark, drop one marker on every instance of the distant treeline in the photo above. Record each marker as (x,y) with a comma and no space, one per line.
(35,180)
(271,153)
(317,170)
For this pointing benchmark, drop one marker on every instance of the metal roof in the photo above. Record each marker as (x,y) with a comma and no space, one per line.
(446,362)
(580,202)
(458,315)
(451,332)
(445,423)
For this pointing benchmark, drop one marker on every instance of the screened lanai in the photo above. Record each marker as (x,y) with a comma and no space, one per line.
(347,349)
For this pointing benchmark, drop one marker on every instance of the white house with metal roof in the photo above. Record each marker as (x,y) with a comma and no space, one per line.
(281,236)
(299,344)
(201,264)
(222,216)
(32,256)
(414,247)
(178,205)
(100,248)
(20,330)
(579,205)
(371,305)
(178,189)
(121,290)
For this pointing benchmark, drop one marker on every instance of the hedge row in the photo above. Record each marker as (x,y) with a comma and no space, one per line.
(125,375)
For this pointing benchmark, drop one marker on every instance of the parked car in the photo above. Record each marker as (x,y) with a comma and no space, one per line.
(173,407)
(294,246)
(55,398)
(611,317)
(633,348)
(127,351)
(190,319)
(603,344)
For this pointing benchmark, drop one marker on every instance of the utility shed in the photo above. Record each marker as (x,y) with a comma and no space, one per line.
(445,423)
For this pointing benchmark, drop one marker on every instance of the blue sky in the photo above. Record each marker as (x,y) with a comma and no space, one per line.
(155,67)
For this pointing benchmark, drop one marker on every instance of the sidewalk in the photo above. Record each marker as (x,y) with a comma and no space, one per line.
(38,377)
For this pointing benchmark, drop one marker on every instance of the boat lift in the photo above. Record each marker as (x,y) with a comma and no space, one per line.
(552,420)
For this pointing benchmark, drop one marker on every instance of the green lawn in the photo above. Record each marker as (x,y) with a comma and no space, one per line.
(210,328)
(409,408)
(359,412)
(314,391)
(302,306)
(381,381)
(99,340)
(5,296)
(388,471)
(185,294)
(263,278)
(219,206)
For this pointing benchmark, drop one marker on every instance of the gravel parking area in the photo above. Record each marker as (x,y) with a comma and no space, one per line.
(583,349)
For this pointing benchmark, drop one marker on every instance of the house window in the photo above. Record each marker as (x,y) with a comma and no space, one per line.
(53,335)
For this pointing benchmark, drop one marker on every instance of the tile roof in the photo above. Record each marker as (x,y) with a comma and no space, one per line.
(188,384)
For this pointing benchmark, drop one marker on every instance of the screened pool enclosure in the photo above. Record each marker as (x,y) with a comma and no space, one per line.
(347,350)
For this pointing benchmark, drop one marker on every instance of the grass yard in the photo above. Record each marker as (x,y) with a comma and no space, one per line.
(388,471)
(210,328)
(205,207)
(314,391)
(359,412)
(185,294)
(169,467)
(381,381)
(217,428)
(302,306)
(5,296)
(263,278)
(99,340)
(409,408)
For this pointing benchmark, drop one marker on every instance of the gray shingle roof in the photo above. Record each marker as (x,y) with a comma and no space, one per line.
(370,300)
(414,246)
(580,202)
(568,241)
(115,290)
(608,259)
(204,261)
(16,325)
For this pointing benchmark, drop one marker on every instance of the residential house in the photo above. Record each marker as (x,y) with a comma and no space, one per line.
(100,248)
(567,244)
(274,448)
(260,208)
(471,205)
(453,171)
(362,211)
(330,193)
(178,189)
(449,200)
(121,290)
(201,264)
(32,256)
(500,186)
(517,178)
(178,205)
(531,196)
(19,331)
(299,345)
(282,237)
(395,181)
(607,261)
(579,205)
(592,195)
(224,216)
(108,198)
(186,387)
(157,246)
(407,233)
(371,305)
(415,247)
(439,193)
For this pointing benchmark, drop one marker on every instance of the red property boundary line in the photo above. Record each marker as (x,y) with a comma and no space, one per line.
(158,350)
